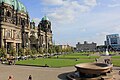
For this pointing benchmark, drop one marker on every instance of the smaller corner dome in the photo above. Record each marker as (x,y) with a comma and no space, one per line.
(33,21)
(45,18)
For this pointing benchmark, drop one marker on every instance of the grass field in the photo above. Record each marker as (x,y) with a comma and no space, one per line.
(75,57)
(115,57)
(60,61)
(54,62)
(116,60)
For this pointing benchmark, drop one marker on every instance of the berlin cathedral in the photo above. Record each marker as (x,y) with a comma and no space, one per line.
(16,29)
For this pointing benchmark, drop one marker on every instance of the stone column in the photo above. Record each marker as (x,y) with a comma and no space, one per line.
(46,42)
(1,38)
(6,46)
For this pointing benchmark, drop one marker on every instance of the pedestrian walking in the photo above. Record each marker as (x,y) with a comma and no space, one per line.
(30,77)
(96,60)
(105,60)
(119,72)
(10,77)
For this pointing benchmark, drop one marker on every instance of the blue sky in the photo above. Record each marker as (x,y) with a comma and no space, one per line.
(77,20)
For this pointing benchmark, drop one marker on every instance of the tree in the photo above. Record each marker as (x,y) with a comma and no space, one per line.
(53,49)
(28,51)
(3,52)
(12,51)
(57,49)
(21,52)
(34,51)
(50,50)
(44,50)
(40,50)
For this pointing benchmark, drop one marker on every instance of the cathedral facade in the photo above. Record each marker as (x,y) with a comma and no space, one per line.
(17,31)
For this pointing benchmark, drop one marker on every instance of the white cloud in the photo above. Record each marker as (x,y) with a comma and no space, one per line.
(99,37)
(69,10)
(115,28)
(97,24)
(114,0)
(90,2)
(113,5)
(53,2)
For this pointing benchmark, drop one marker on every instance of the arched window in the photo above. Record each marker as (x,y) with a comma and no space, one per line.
(20,21)
(49,26)
(8,14)
(1,12)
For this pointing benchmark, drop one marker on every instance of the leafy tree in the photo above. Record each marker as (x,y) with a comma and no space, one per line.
(3,52)
(63,50)
(44,50)
(21,52)
(28,51)
(12,51)
(50,50)
(58,49)
(34,51)
(40,50)
(53,48)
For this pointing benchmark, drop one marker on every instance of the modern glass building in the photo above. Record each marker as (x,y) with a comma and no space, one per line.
(113,41)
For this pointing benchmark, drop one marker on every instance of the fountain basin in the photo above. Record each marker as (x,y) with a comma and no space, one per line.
(93,68)
(92,71)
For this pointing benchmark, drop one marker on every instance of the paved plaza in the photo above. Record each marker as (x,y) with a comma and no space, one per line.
(38,73)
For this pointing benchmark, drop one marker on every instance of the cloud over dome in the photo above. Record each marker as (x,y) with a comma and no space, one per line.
(65,11)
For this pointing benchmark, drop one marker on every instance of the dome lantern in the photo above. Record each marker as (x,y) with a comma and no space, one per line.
(45,18)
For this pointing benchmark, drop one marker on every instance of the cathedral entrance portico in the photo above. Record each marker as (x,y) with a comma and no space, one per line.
(12,44)
(33,42)
(9,45)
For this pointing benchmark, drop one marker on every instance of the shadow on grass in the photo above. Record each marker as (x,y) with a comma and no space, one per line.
(63,76)
(32,65)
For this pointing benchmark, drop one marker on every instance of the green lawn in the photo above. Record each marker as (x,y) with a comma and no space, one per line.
(76,56)
(116,60)
(61,61)
(115,57)
(54,62)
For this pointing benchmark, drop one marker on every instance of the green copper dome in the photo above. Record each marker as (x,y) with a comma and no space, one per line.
(6,1)
(21,7)
(17,5)
(45,18)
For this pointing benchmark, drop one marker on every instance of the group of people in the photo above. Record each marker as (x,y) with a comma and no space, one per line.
(11,77)
(107,61)
(7,60)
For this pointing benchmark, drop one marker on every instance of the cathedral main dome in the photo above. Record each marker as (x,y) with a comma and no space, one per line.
(16,3)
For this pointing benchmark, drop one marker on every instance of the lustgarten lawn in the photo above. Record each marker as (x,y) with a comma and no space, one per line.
(116,60)
(61,61)
(54,62)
